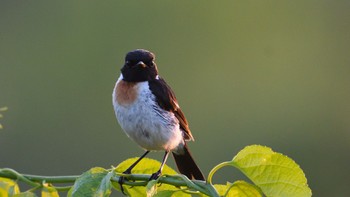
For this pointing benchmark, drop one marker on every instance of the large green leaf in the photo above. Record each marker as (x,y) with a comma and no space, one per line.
(145,166)
(95,183)
(275,174)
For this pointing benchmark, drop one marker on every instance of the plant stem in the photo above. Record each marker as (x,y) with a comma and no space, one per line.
(216,168)
(52,179)
(36,181)
(12,174)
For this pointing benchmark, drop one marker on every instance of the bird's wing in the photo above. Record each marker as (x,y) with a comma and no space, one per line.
(166,99)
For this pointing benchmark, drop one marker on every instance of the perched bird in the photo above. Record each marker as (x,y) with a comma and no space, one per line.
(149,114)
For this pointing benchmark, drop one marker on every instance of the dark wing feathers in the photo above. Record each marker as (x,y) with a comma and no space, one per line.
(166,99)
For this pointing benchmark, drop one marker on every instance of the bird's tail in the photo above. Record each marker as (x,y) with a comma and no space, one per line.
(187,165)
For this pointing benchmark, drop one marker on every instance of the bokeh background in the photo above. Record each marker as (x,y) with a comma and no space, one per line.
(275,73)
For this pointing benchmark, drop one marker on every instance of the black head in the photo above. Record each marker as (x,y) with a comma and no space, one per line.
(139,66)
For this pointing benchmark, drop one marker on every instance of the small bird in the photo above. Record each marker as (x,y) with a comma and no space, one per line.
(148,112)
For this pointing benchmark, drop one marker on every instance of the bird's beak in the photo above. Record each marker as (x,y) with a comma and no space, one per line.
(141,64)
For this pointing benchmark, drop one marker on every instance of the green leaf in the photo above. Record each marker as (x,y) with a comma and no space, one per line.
(275,174)
(151,188)
(222,189)
(173,193)
(242,189)
(95,182)
(105,188)
(165,193)
(48,191)
(146,166)
(237,189)
(8,187)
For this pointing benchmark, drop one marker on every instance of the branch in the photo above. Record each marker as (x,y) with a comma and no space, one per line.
(37,181)
(268,170)
(175,180)
(14,175)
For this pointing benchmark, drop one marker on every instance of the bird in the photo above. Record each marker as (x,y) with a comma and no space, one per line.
(148,112)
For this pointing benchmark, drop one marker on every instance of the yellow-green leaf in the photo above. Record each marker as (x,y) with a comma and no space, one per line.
(172,193)
(237,189)
(275,174)
(146,166)
(49,191)
(242,189)
(222,189)
(8,187)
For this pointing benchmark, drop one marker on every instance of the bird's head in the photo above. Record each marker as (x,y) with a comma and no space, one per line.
(139,66)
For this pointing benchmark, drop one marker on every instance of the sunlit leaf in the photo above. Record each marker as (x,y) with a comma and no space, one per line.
(8,187)
(95,182)
(174,193)
(221,189)
(48,191)
(146,166)
(167,193)
(275,174)
(237,189)
(242,189)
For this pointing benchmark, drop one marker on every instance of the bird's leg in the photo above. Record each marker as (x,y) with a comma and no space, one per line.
(128,171)
(159,172)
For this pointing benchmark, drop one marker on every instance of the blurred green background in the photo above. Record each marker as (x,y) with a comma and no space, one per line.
(274,73)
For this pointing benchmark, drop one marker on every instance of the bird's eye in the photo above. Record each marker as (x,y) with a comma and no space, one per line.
(129,63)
(151,63)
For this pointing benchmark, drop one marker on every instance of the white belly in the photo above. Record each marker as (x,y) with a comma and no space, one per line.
(146,123)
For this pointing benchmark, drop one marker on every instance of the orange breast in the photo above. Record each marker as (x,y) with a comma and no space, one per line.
(126,92)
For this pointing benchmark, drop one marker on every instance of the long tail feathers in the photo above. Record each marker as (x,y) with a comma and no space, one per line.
(187,165)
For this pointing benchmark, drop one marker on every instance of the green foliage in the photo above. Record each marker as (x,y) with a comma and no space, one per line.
(275,174)
(95,182)
(271,174)
(238,188)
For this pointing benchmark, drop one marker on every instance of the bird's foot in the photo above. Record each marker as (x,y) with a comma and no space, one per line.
(122,179)
(155,175)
